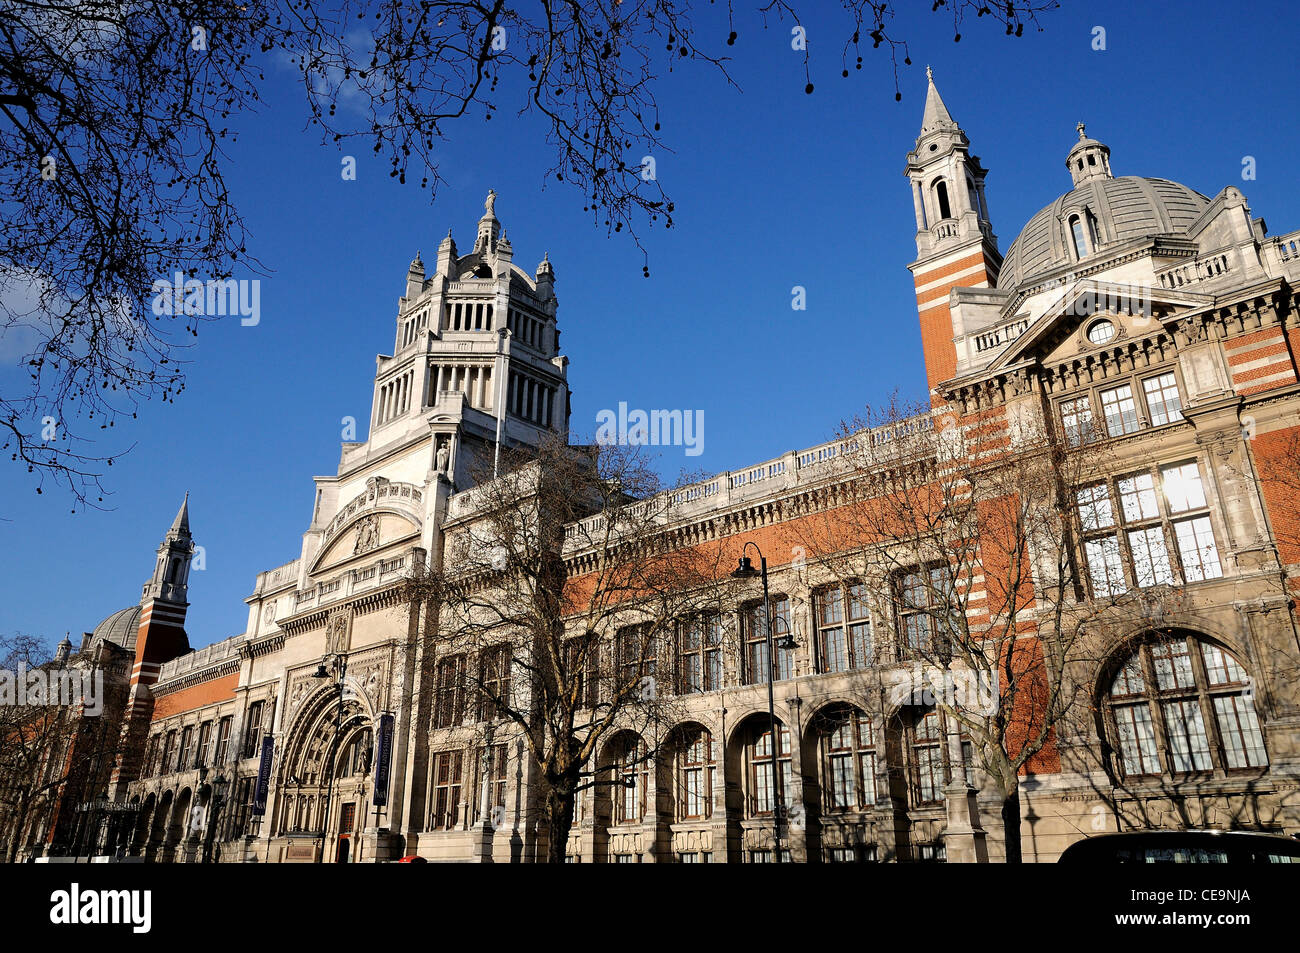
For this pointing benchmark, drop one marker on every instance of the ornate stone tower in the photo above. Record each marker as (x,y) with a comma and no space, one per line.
(159,638)
(476,354)
(955,244)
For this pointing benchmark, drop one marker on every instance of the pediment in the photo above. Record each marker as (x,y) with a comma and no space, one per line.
(367,533)
(1062,332)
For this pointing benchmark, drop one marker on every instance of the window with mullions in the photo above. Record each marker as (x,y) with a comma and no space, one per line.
(1163,399)
(449,686)
(1181,706)
(762,793)
(1119,410)
(925,743)
(497,756)
(446,789)
(1076,420)
(636,654)
(927,617)
(494,681)
(1160,532)
(632,772)
(185,762)
(843,628)
(848,760)
(580,657)
(756,658)
(696,767)
(699,653)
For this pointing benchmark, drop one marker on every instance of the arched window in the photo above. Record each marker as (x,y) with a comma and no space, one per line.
(1181,705)
(1078,230)
(941,198)
(695,768)
(848,760)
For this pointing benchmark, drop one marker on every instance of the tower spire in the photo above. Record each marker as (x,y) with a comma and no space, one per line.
(936,117)
(180,528)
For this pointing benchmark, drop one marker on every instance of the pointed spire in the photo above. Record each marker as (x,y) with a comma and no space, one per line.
(936,115)
(181,525)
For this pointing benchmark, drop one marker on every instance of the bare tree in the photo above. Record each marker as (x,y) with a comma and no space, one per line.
(114,119)
(561,591)
(978,553)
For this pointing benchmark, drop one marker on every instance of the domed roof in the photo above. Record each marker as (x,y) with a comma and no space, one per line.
(120,628)
(1122,208)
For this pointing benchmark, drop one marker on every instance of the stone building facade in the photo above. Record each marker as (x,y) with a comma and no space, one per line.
(1134,308)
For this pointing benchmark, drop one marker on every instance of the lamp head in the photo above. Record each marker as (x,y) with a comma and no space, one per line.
(745,570)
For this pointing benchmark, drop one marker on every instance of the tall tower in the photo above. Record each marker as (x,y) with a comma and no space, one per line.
(955,244)
(160,638)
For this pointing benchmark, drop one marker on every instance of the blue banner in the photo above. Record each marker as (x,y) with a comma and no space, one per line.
(383,758)
(263,776)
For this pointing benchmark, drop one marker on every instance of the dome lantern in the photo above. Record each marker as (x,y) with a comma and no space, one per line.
(1088,160)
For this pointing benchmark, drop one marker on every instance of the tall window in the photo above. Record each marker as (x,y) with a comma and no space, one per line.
(843,628)
(1163,400)
(357,755)
(762,791)
(446,789)
(253,731)
(580,657)
(497,776)
(494,676)
(186,760)
(205,745)
(941,198)
(636,655)
(695,775)
(926,744)
(1156,508)
(1119,410)
(756,658)
(1076,420)
(150,763)
(1078,230)
(450,689)
(1179,706)
(169,753)
(632,771)
(223,740)
(927,617)
(848,760)
(699,653)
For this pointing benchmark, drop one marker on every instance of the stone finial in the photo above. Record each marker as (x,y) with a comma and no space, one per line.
(1082,135)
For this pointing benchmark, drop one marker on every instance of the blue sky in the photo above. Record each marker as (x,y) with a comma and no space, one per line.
(773,188)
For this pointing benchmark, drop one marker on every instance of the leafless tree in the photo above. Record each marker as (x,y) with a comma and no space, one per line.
(115,118)
(977,547)
(562,589)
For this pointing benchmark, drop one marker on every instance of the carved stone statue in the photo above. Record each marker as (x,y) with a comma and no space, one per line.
(337,631)
(490,203)
(443,457)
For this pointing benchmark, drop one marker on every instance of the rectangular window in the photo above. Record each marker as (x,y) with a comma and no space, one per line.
(699,653)
(1197,549)
(450,689)
(223,741)
(1183,488)
(927,759)
(1243,743)
(636,655)
(1137,495)
(1150,556)
(169,753)
(1094,508)
(494,678)
(1076,420)
(580,656)
(253,732)
(756,657)
(1163,399)
(446,789)
(1173,665)
(496,779)
(1137,740)
(184,763)
(205,744)
(1105,568)
(925,610)
(1119,410)
(843,641)
(1189,748)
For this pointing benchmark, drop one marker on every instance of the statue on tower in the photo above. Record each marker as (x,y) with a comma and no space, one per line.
(490,204)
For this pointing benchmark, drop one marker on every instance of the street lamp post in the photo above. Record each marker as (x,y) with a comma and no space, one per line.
(746,570)
(321,672)
(218,799)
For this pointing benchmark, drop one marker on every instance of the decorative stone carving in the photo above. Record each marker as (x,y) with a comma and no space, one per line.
(338,632)
(367,534)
